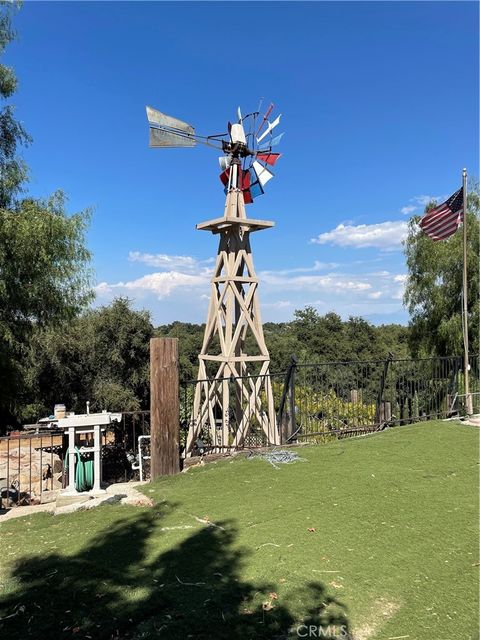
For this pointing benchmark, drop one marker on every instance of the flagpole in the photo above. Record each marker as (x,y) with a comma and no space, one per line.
(468,397)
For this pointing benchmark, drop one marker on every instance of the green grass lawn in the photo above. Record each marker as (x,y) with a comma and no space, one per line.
(369,538)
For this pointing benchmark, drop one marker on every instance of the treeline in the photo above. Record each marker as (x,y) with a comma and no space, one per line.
(103,355)
(310,336)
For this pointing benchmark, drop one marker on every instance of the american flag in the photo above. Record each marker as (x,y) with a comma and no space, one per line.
(442,222)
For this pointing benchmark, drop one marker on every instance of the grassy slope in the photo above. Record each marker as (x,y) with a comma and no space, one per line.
(394,551)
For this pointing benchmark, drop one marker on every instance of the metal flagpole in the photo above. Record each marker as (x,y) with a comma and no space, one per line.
(468,397)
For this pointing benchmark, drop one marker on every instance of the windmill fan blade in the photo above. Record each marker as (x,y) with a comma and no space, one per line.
(224,177)
(256,190)
(161,138)
(271,127)
(265,117)
(263,174)
(268,158)
(158,118)
(224,162)
(272,143)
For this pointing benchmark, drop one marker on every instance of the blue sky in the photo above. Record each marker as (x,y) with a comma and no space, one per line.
(380,112)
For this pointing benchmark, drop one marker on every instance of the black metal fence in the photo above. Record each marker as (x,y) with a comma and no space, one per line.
(316,402)
(311,403)
(346,398)
(32,464)
(31,467)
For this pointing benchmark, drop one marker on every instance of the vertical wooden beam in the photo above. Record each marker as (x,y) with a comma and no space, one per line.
(164,407)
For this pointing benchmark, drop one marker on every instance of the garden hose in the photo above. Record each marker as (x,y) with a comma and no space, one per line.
(83,472)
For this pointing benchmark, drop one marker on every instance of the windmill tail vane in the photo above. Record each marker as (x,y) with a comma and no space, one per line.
(247,158)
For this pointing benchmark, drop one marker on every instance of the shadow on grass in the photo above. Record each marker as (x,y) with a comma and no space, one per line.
(118,588)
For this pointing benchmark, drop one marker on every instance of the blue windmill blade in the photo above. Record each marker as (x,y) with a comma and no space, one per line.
(273,143)
(256,188)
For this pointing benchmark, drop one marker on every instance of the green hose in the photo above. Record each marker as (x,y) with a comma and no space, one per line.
(83,472)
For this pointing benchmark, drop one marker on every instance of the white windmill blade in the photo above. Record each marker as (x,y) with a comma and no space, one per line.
(271,127)
(160,119)
(263,174)
(224,162)
(239,115)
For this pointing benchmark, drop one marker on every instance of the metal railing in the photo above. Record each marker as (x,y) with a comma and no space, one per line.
(32,464)
(313,402)
(349,398)
(31,467)
(316,402)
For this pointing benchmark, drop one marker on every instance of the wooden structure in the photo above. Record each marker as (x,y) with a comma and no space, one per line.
(164,407)
(233,393)
(233,390)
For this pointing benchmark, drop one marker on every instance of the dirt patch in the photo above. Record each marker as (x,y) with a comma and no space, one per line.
(381,611)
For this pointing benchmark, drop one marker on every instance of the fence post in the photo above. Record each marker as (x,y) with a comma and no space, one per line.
(383,381)
(286,424)
(164,407)
(292,423)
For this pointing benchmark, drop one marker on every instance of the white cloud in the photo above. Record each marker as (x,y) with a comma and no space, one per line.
(181,292)
(161,284)
(330,282)
(168,262)
(408,209)
(400,280)
(383,235)
(317,266)
(419,202)
(280,304)
(424,200)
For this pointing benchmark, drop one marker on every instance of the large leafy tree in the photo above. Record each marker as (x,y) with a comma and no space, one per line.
(101,356)
(44,274)
(434,286)
(13,170)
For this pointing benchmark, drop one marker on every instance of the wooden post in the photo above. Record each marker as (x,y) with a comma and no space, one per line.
(164,407)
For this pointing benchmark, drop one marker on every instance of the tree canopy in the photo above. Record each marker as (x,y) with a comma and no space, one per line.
(44,262)
(101,356)
(435,282)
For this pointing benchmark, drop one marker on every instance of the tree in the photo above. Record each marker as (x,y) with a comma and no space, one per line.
(434,286)
(101,356)
(13,171)
(44,273)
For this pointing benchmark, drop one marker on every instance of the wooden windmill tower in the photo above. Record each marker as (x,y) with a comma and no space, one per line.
(233,394)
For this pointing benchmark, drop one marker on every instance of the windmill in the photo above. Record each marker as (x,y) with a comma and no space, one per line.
(233,393)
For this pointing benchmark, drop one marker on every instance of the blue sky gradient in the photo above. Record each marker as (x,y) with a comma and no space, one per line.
(380,110)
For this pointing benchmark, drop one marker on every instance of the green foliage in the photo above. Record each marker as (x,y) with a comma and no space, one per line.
(329,412)
(13,171)
(44,281)
(310,336)
(190,338)
(101,356)
(43,264)
(434,287)
(44,273)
